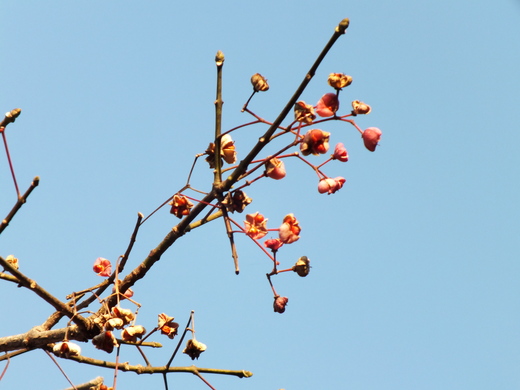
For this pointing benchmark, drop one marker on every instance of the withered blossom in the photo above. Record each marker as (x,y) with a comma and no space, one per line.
(181,205)
(280,303)
(105,341)
(360,108)
(315,142)
(302,266)
(236,201)
(304,112)
(194,348)
(339,80)
(132,333)
(259,83)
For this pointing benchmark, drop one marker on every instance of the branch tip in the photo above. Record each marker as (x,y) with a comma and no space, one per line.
(342,26)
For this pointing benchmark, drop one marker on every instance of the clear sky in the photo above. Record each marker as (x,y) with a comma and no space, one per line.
(415,260)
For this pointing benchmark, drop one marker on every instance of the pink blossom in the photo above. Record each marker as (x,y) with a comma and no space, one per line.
(329,185)
(315,141)
(290,230)
(273,243)
(371,138)
(340,153)
(256,225)
(327,105)
(275,169)
(102,267)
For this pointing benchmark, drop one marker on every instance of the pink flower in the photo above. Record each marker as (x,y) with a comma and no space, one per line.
(273,243)
(371,138)
(102,267)
(315,141)
(256,225)
(290,230)
(279,304)
(328,105)
(329,185)
(275,169)
(340,153)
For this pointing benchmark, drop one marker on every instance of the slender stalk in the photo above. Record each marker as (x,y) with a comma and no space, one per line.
(219,61)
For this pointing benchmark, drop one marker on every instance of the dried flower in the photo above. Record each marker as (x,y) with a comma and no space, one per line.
(371,138)
(114,323)
(167,326)
(339,80)
(289,231)
(273,243)
(329,185)
(327,105)
(359,108)
(304,112)
(315,141)
(102,267)
(227,151)
(66,349)
(280,303)
(181,206)
(275,168)
(236,201)
(259,82)
(125,314)
(340,153)
(302,266)
(13,261)
(194,348)
(256,225)
(132,333)
(105,341)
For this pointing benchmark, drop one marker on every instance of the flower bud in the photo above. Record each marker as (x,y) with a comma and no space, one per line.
(273,243)
(280,303)
(340,153)
(290,229)
(275,169)
(259,83)
(371,138)
(327,105)
(360,108)
(339,80)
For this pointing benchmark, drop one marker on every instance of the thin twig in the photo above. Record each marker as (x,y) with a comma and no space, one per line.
(19,203)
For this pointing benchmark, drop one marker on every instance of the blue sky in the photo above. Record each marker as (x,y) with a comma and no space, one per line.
(415,261)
